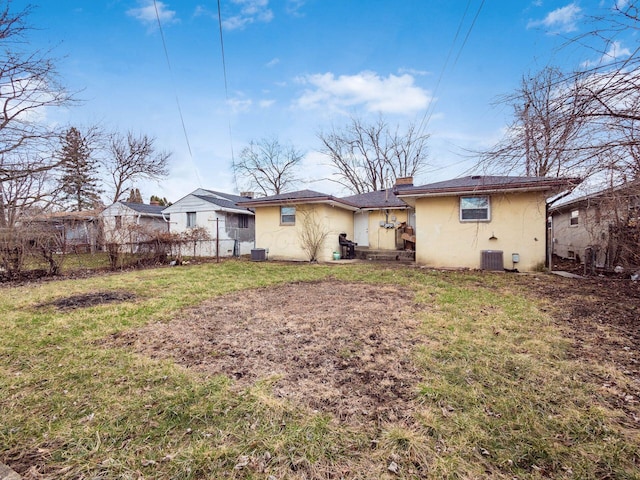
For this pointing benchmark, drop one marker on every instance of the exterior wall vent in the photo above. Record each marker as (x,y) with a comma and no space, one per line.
(491,260)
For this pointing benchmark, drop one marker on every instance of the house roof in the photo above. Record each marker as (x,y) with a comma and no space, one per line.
(629,189)
(145,209)
(487,184)
(84,215)
(227,196)
(224,204)
(376,200)
(298,197)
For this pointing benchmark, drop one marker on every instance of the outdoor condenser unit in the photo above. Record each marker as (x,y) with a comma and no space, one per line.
(491,260)
(258,254)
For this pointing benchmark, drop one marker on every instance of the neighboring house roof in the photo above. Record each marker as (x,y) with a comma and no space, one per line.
(298,197)
(84,215)
(487,184)
(376,200)
(629,189)
(145,209)
(219,201)
(225,205)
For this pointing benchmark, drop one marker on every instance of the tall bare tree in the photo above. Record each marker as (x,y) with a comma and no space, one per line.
(582,122)
(370,156)
(267,166)
(29,85)
(133,157)
(548,134)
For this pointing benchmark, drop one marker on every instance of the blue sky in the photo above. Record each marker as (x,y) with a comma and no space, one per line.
(295,67)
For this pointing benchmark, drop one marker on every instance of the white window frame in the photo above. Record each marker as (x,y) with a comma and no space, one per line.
(290,213)
(191,220)
(471,199)
(574,218)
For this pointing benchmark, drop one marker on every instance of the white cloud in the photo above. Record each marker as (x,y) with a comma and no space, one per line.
(266,103)
(563,19)
(614,52)
(238,105)
(251,11)
(147,14)
(273,62)
(393,94)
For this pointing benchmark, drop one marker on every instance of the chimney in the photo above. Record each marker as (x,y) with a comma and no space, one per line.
(247,194)
(404,181)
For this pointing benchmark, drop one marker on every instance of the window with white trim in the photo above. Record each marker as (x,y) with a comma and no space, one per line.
(287,215)
(475,209)
(243,220)
(575,218)
(191,219)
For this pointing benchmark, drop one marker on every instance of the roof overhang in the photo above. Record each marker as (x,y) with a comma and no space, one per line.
(329,200)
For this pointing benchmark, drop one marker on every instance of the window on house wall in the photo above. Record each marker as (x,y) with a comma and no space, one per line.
(475,209)
(575,217)
(287,215)
(243,221)
(191,219)
(118,222)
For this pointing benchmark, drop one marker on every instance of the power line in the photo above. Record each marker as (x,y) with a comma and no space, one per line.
(166,54)
(226,87)
(429,113)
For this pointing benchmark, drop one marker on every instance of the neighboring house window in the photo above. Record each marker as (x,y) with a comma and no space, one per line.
(288,215)
(571,254)
(473,209)
(191,219)
(575,218)
(243,221)
(118,222)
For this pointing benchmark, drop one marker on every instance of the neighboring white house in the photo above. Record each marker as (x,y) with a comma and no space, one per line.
(230,228)
(130,223)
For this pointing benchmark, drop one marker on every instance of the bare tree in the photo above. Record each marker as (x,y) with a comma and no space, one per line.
(312,234)
(267,166)
(370,157)
(582,122)
(25,195)
(133,157)
(29,86)
(548,135)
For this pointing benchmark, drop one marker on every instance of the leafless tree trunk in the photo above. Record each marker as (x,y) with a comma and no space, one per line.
(267,167)
(369,157)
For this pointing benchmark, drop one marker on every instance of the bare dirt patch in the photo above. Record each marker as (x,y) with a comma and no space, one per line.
(337,347)
(88,300)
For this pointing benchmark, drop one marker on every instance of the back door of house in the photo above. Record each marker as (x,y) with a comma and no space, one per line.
(361,229)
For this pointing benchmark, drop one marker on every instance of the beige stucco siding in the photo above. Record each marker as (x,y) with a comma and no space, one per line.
(283,241)
(380,237)
(517,222)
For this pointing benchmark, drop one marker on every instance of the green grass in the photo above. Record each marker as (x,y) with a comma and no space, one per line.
(498,396)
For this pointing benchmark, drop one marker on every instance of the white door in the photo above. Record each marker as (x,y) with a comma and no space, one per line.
(361,229)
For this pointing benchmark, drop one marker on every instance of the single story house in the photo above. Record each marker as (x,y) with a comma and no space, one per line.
(129,223)
(478,222)
(288,225)
(487,222)
(80,231)
(216,220)
(603,225)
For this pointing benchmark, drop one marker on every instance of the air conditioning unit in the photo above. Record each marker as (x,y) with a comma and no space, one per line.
(492,260)
(258,254)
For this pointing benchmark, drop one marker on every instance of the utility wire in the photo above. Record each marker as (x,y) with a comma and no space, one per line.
(166,54)
(226,87)
(429,113)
